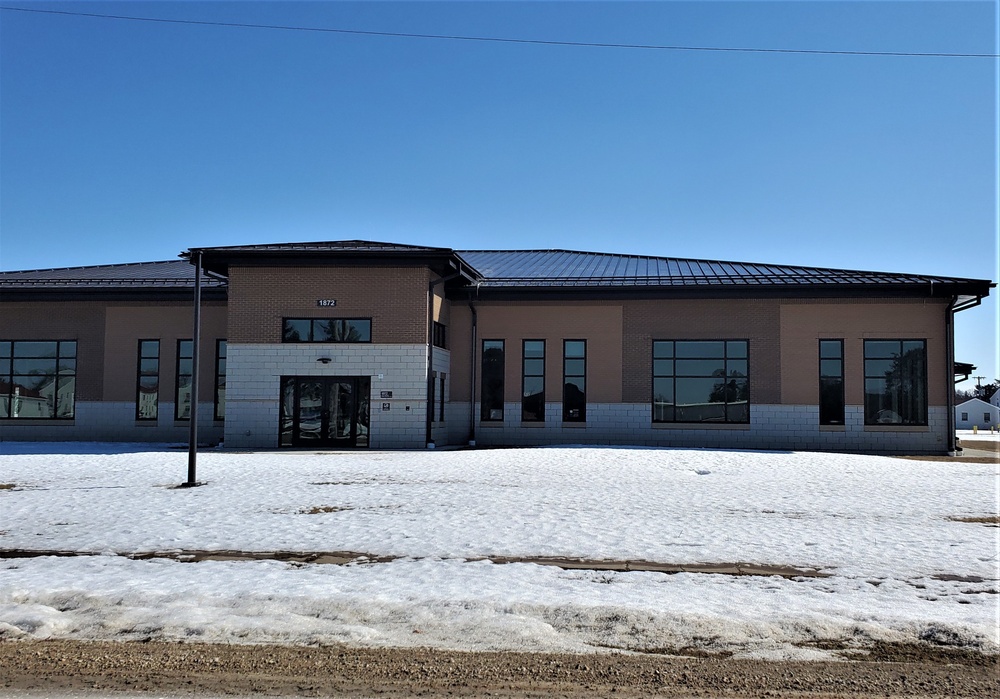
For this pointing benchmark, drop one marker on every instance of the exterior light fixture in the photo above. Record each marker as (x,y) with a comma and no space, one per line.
(324,360)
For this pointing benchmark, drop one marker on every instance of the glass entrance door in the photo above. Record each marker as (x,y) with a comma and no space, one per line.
(325,411)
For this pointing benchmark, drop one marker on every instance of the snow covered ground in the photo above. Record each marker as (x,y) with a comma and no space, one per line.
(902,565)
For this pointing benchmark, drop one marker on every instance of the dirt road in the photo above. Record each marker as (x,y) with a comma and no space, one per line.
(201,669)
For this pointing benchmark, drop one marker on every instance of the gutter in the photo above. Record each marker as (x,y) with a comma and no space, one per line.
(949,323)
(954,306)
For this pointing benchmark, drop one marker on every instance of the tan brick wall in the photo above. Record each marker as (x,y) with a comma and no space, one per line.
(81,321)
(168,323)
(395,298)
(804,323)
(756,320)
(600,324)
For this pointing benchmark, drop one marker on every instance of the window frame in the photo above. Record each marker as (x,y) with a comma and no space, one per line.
(566,410)
(491,413)
(139,374)
(439,335)
(9,374)
(839,379)
(673,376)
(526,416)
(177,380)
(441,385)
(312,331)
(221,360)
(920,400)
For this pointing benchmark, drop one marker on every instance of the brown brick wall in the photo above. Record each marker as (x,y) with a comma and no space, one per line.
(804,323)
(107,340)
(168,323)
(395,298)
(80,321)
(600,324)
(756,320)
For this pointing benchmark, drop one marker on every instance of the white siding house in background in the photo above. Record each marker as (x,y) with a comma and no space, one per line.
(995,400)
(977,413)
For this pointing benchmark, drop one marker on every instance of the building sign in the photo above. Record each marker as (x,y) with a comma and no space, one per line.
(385,406)
(326,303)
(386,394)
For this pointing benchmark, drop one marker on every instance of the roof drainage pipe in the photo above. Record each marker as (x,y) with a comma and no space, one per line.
(950,362)
(954,306)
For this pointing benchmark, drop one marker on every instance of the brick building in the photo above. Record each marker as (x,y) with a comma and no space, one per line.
(360,344)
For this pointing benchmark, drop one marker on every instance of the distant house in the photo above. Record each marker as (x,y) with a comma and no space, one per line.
(357,344)
(977,413)
(995,400)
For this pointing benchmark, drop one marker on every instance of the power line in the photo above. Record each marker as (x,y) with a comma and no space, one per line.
(503,40)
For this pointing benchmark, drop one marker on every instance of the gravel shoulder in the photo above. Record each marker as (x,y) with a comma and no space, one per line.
(193,669)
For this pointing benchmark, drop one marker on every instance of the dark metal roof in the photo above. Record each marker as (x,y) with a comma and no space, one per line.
(353,252)
(508,272)
(567,268)
(169,274)
(358,246)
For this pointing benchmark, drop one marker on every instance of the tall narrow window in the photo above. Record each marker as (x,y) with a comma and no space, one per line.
(574,380)
(37,379)
(895,382)
(533,381)
(148,380)
(182,390)
(831,382)
(432,398)
(440,335)
(441,377)
(491,407)
(220,379)
(701,381)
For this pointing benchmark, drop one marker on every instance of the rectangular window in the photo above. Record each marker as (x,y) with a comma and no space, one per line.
(182,389)
(327,330)
(491,406)
(220,379)
(432,398)
(965,417)
(986,418)
(441,379)
(147,392)
(38,379)
(831,382)
(533,381)
(440,335)
(701,381)
(895,382)
(574,380)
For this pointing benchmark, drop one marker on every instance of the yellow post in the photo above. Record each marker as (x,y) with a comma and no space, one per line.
(975,429)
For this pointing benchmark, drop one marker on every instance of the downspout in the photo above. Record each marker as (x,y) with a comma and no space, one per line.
(472,373)
(950,366)
(428,437)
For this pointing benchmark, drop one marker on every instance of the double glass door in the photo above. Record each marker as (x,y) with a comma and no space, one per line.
(325,411)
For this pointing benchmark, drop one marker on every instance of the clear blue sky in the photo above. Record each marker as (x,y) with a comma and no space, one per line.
(124,141)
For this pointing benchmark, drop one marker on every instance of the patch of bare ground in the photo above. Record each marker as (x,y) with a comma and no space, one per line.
(985,519)
(7,486)
(192,669)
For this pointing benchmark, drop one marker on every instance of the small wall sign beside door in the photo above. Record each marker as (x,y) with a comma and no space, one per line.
(385,394)
(385,407)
